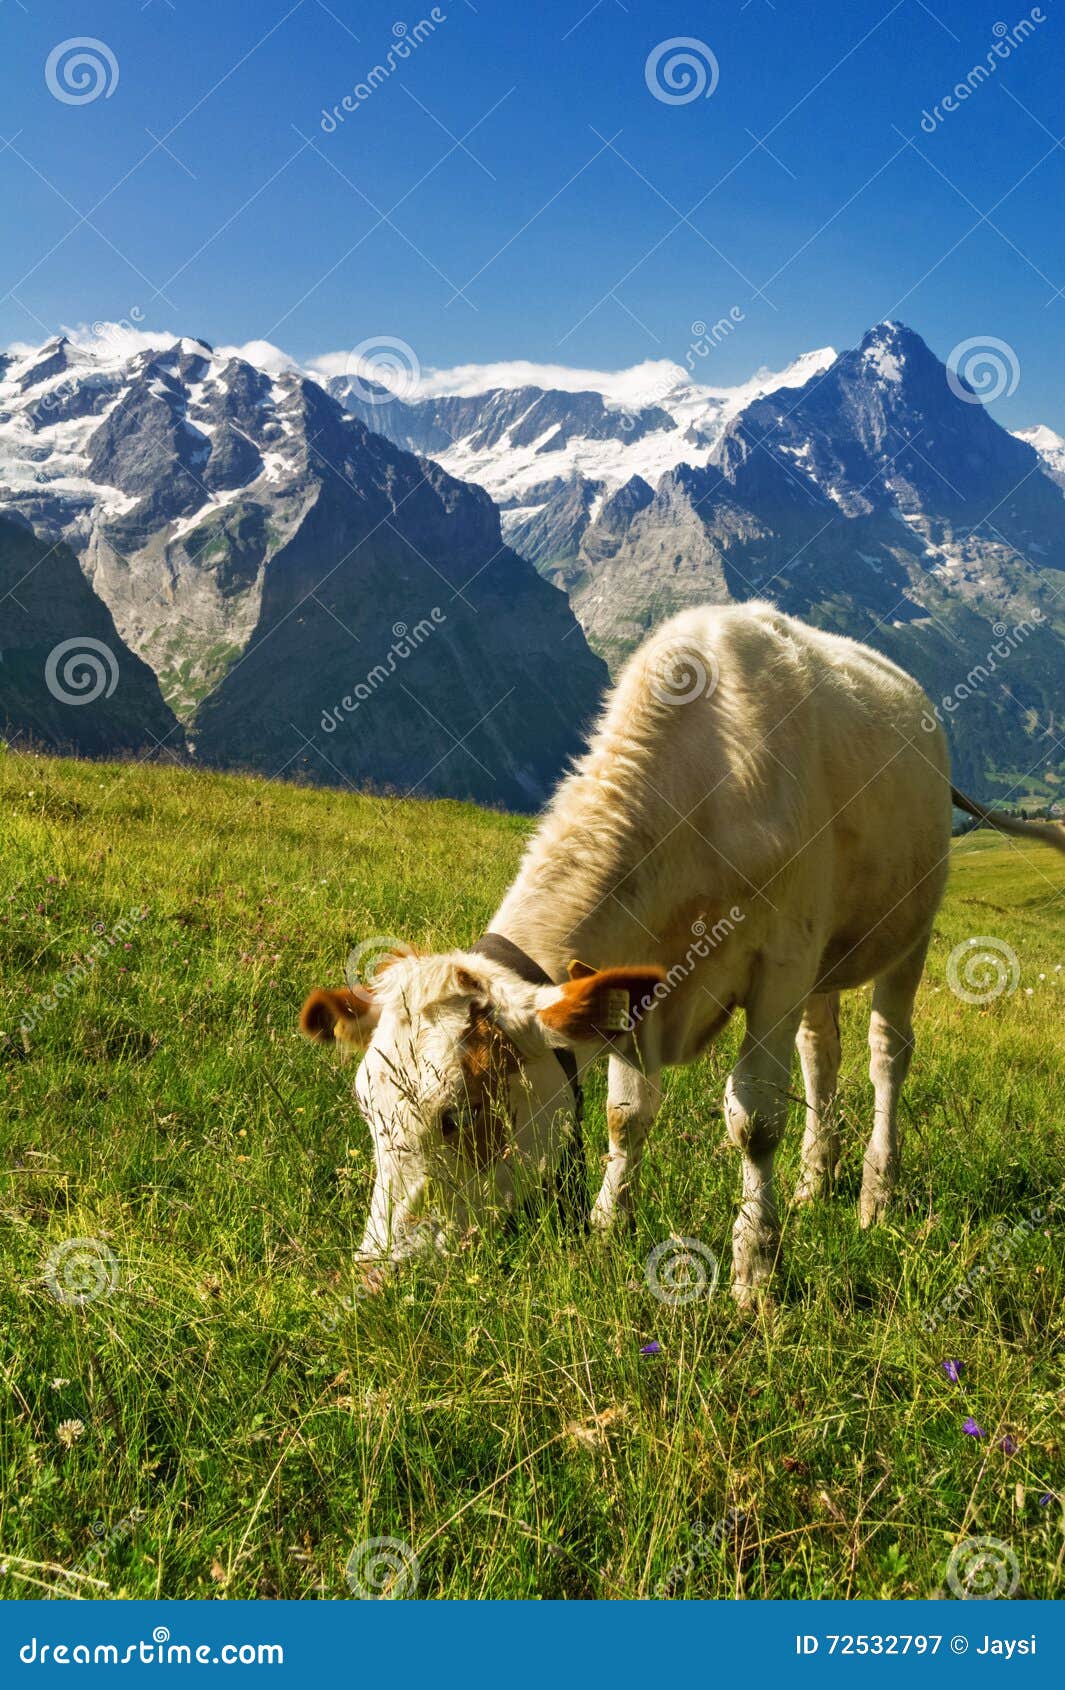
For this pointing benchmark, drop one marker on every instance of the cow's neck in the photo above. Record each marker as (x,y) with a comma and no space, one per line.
(561,903)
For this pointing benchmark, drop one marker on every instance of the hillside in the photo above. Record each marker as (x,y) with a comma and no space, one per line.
(269,558)
(67,678)
(868,491)
(459,566)
(223,1420)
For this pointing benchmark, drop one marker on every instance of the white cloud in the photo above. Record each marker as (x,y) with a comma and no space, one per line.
(263,354)
(652,382)
(639,384)
(330,364)
(117,340)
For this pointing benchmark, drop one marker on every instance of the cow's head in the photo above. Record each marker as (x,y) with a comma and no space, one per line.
(466,1100)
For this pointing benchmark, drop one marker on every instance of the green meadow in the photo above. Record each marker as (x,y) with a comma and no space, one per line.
(195,1403)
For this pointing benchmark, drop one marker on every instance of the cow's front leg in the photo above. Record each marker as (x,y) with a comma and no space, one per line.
(633,1098)
(756,1107)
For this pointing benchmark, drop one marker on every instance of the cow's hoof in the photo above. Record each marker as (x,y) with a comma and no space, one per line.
(611,1223)
(815,1187)
(753,1299)
(872,1208)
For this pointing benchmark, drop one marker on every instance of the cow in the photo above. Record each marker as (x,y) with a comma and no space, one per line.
(761,821)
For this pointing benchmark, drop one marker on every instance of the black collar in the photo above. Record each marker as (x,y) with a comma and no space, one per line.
(571,1181)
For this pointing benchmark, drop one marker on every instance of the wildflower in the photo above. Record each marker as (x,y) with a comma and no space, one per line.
(971,1429)
(654,1348)
(1008,1445)
(69,1431)
(953,1371)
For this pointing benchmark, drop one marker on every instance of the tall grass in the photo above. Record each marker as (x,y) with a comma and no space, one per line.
(218,1421)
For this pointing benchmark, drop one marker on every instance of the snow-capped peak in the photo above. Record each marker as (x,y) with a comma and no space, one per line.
(884,348)
(1050,446)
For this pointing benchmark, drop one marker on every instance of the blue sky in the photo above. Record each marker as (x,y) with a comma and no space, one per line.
(514,190)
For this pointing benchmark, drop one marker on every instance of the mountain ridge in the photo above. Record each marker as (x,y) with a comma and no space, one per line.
(208,497)
(239,527)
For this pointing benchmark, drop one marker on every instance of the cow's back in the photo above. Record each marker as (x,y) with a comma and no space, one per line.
(812,767)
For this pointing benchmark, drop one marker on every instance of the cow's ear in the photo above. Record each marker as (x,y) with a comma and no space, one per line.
(602,1004)
(578,970)
(343,1017)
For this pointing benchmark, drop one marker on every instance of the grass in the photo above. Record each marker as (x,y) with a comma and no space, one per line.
(218,1423)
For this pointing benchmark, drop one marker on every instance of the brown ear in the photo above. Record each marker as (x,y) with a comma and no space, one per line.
(344,1017)
(602,1004)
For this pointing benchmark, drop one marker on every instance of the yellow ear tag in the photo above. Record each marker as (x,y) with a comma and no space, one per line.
(614,1016)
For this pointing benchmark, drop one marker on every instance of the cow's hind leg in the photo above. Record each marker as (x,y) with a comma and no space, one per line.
(891,1050)
(632,1103)
(819,1051)
(756,1107)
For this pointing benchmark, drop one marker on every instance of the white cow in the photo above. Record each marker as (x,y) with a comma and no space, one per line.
(762,821)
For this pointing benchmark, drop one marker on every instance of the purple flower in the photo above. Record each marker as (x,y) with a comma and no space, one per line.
(1008,1445)
(654,1348)
(1044,1500)
(953,1371)
(971,1429)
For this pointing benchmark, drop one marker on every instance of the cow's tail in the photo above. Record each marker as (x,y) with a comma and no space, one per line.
(1049,832)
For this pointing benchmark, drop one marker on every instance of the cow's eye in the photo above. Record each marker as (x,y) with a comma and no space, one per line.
(449,1125)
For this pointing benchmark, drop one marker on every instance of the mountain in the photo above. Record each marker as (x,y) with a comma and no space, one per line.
(315,568)
(1050,446)
(67,679)
(549,456)
(268,557)
(881,499)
